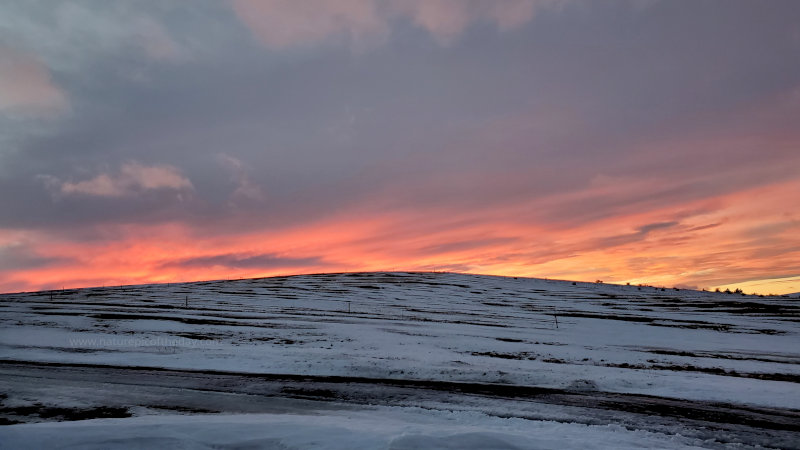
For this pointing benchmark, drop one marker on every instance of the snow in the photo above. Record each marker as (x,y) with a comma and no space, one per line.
(689,345)
(442,326)
(380,427)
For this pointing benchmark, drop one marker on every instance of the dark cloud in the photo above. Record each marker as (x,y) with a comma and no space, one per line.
(324,129)
(566,117)
(246,261)
(645,229)
(20,256)
(641,233)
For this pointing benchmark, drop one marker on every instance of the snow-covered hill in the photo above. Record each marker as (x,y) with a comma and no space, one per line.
(510,341)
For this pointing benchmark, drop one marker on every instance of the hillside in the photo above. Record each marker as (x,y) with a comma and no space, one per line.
(713,368)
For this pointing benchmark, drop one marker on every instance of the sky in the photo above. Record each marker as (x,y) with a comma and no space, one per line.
(629,141)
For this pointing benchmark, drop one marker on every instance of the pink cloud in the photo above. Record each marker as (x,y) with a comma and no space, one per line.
(132,178)
(444,19)
(447,19)
(285,23)
(26,86)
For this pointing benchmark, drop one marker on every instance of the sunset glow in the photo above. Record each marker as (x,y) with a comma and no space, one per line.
(562,139)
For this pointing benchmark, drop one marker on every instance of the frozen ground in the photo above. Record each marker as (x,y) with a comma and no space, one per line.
(401,360)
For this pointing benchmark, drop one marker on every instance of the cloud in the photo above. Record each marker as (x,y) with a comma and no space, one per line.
(156,41)
(563,136)
(646,229)
(641,233)
(444,19)
(131,179)
(246,189)
(246,261)
(447,19)
(21,256)
(68,36)
(284,23)
(26,85)
(466,245)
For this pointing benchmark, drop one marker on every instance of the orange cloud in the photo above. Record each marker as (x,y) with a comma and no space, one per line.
(748,235)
